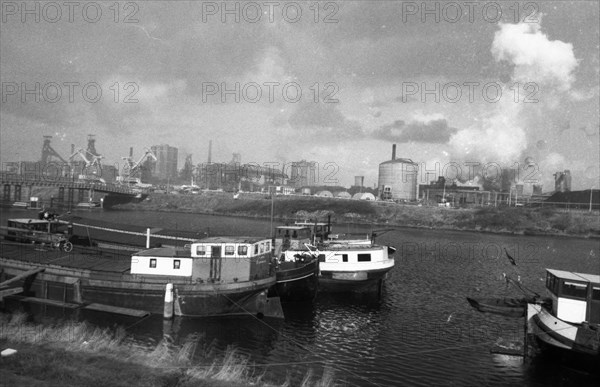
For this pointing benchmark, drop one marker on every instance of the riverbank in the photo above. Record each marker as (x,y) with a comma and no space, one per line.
(509,220)
(78,354)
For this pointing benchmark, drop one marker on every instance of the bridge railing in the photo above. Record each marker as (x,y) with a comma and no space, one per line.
(16,179)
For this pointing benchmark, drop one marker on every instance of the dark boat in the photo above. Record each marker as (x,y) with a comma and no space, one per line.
(297,280)
(509,307)
(297,274)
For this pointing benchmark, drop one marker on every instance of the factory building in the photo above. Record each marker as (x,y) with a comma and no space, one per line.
(165,166)
(304,174)
(398,178)
(562,181)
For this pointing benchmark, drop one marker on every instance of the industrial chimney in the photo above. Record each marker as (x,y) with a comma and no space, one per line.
(394,152)
(130,151)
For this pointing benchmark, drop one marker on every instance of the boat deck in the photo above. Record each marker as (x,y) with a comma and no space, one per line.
(86,258)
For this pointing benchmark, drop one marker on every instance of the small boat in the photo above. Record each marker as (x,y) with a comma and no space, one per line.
(297,273)
(351,264)
(572,322)
(509,307)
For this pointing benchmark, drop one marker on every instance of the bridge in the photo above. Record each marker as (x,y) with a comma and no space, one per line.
(20,187)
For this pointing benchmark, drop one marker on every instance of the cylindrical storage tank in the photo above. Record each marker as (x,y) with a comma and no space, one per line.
(398,179)
(359,181)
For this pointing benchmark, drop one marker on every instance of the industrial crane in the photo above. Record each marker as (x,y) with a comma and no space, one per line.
(133,167)
(94,161)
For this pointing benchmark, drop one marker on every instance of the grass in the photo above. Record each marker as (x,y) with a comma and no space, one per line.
(79,354)
(491,219)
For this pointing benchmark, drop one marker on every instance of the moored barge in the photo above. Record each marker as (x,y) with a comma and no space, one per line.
(213,276)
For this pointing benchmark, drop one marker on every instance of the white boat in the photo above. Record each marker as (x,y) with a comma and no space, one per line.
(572,322)
(344,264)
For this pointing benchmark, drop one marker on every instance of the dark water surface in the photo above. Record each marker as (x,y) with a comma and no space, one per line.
(421,332)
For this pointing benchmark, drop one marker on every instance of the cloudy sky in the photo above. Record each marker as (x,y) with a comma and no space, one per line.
(509,84)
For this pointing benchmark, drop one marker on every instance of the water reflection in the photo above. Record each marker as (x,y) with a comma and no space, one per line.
(421,331)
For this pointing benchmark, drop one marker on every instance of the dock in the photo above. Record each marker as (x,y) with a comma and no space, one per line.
(84,258)
(57,273)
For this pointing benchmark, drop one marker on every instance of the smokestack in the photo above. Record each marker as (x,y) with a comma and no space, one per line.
(72,148)
(394,152)
(209,151)
(130,151)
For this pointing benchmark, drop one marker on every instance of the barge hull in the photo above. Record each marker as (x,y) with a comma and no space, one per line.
(113,286)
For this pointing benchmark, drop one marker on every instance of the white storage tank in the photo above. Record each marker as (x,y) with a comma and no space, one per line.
(398,178)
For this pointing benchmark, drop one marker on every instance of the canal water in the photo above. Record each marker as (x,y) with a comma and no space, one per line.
(420,332)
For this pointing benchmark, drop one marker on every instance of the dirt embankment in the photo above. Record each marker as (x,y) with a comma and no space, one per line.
(521,220)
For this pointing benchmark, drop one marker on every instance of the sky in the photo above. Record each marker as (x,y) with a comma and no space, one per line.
(462,90)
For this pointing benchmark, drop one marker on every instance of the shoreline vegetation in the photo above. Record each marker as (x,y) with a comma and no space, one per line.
(543,221)
(71,353)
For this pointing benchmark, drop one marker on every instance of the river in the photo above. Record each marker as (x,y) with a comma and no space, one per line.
(421,331)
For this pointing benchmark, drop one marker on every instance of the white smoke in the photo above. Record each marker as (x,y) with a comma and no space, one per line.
(535,57)
(504,135)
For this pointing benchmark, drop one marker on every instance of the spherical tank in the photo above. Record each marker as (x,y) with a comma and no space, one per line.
(398,179)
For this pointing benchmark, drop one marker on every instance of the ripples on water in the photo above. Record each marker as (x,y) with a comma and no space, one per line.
(421,331)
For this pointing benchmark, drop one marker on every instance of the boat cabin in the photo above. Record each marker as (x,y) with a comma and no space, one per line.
(28,229)
(575,296)
(214,260)
(320,230)
(291,238)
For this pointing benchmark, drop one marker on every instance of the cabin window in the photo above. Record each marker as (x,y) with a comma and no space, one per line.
(596,293)
(344,257)
(268,246)
(200,250)
(229,250)
(552,283)
(176,264)
(364,257)
(255,249)
(242,250)
(153,263)
(574,290)
(262,247)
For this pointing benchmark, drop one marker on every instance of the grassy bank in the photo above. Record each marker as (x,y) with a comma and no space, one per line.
(78,354)
(519,220)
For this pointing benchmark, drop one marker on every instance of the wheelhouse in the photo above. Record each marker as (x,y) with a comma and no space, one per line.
(27,229)
(575,296)
(214,260)
(320,230)
(54,227)
(291,238)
